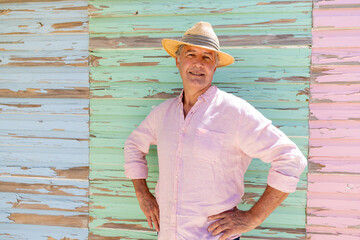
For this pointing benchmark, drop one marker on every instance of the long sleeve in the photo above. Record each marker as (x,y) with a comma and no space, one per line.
(137,147)
(258,138)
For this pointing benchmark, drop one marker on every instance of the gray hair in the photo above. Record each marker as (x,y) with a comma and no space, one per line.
(178,52)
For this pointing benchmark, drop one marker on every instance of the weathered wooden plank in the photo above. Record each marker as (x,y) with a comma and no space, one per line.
(336,38)
(160,7)
(336,56)
(336,4)
(336,74)
(269,91)
(45,91)
(347,184)
(244,57)
(44,126)
(329,233)
(44,58)
(333,164)
(49,218)
(42,9)
(9,231)
(38,156)
(334,147)
(339,129)
(335,93)
(335,111)
(238,75)
(43,74)
(64,43)
(37,1)
(11,200)
(258,37)
(336,18)
(332,203)
(44,82)
(43,186)
(171,23)
(44,106)
(114,234)
(44,26)
(71,172)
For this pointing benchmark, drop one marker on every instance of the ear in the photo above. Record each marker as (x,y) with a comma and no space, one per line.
(177,61)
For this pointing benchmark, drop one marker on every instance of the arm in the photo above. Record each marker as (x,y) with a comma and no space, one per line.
(258,138)
(236,221)
(147,203)
(135,150)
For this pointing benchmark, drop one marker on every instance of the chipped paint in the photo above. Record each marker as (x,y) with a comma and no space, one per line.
(44,93)
(131,73)
(334,156)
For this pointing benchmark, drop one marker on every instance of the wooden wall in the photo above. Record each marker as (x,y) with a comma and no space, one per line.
(130,73)
(44,109)
(333,205)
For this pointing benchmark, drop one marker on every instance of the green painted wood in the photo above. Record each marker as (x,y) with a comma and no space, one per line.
(247,74)
(44,119)
(130,74)
(113,8)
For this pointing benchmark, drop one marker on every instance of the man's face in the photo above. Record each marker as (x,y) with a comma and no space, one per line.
(197,67)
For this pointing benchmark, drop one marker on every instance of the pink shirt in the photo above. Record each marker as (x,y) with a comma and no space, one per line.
(203,159)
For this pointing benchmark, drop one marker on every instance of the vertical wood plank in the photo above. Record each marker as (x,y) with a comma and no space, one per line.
(44,106)
(130,73)
(333,198)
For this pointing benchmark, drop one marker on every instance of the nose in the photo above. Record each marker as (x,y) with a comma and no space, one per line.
(199,62)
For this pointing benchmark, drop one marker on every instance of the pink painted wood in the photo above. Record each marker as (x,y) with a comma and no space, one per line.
(333,200)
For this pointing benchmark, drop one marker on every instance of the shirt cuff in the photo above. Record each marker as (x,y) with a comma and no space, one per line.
(136,172)
(282,182)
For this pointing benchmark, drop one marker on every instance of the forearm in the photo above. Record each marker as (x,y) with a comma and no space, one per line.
(268,202)
(140,186)
(147,203)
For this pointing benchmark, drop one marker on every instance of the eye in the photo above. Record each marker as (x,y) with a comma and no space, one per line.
(207,58)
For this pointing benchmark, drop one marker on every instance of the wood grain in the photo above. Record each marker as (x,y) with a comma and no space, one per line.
(44,135)
(334,155)
(130,73)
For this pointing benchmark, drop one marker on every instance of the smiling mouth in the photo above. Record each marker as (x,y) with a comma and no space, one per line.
(197,74)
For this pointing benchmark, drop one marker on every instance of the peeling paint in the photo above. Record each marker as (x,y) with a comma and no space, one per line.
(334,156)
(79,221)
(131,74)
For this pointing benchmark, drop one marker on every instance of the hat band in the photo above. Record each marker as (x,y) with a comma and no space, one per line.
(201,40)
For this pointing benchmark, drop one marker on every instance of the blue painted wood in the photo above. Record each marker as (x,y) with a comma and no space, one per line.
(26,232)
(44,114)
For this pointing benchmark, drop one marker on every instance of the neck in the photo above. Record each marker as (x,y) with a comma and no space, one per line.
(190,97)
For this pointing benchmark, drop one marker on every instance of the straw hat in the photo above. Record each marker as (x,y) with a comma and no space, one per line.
(200,35)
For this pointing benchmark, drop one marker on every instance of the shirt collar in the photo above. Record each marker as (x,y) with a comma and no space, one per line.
(206,96)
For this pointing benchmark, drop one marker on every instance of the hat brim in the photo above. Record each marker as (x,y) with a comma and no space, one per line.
(171,46)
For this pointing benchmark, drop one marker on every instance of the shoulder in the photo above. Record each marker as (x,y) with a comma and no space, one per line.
(231,102)
(163,107)
(166,104)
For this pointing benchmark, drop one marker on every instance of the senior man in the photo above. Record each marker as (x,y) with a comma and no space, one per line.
(205,140)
